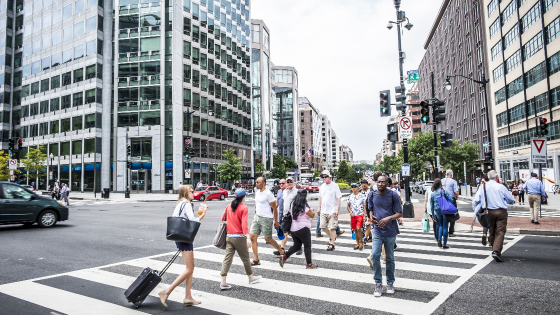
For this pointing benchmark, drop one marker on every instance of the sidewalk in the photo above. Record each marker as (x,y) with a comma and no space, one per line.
(553,202)
(120,196)
(516,225)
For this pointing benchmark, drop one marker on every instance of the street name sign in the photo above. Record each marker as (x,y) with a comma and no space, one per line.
(409,72)
(406,170)
(538,150)
(405,127)
(12,164)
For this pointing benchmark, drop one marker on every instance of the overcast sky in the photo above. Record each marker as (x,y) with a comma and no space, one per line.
(345,55)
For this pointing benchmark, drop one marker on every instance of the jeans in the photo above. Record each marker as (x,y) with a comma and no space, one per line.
(318,231)
(389,244)
(301,237)
(442,227)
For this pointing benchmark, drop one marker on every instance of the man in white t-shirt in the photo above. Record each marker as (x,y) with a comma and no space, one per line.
(265,217)
(329,206)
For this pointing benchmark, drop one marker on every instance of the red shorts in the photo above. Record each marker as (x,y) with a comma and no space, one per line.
(356,222)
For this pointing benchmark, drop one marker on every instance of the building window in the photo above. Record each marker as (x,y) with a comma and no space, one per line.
(549,4)
(513,62)
(495,27)
(509,11)
(514,87)
(498,72)
(537,104)
(255,33)
(532,46)
(500,95)
(492,7)
(496,50)
(511,36)
(501,119)
(535,75)
(552,30)
(531,17)
(517,113)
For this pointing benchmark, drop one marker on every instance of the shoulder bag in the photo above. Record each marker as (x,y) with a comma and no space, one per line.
(286,224)
(445,205)
(425,223)
(482,215)
(181,229)
(221,233)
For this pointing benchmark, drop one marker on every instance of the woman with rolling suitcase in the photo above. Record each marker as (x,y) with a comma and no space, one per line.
(184,208)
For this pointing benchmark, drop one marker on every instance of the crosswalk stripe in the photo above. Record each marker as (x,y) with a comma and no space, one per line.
(213,302)
(462,202)
(267,249)
(355,299)
(412,284)
(63,301)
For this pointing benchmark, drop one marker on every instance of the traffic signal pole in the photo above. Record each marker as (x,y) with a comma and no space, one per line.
(408,208)
(436,169)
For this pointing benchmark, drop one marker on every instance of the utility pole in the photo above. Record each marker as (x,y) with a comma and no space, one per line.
(436,169)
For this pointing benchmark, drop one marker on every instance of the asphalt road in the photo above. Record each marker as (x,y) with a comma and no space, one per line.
(99,234)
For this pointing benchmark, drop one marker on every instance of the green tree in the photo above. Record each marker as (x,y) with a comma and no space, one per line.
(259,170)
(35,164)
(388,165)
(455,156)
(230,170)
(279,167)
(343,171)
(4,171)
(290,164)
(316,174)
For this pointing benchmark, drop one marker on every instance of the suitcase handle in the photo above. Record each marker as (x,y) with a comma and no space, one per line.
(169,263)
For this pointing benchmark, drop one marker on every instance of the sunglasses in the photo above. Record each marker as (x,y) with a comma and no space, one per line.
(324,176)
(289,181)
(282,183)
(354,186)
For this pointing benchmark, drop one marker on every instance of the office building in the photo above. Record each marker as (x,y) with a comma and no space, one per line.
(346,154)
(524,59)
(326,141)
(311,138)
(335,150)
(83,93)
(456,45)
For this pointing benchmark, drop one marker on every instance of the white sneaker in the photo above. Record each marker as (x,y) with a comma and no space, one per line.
(378,290)
(255,279)
(390,289)
(370,261)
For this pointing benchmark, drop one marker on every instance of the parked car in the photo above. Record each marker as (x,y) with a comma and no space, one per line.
(417,187)
(20,205)
(426,185)
(313,187)
(210,192)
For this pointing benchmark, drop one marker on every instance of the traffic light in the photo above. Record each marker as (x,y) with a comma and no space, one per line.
(425,111)
(446,140)
(128,150)
(129,165)
(543,127)
(19,144)
(385,103)
(10,144)
(192,152)
(400,97)
(487,156)
(186,152)
(392,132)
(439,111)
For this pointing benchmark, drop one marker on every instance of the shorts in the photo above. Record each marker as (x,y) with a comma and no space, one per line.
(357,221)
(329,221)
(184,246)
(262,225)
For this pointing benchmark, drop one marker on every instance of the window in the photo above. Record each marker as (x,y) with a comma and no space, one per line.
(67,55)
(516,113)
(54,127)
(514,87)
(78,75)
(532,46)
(513,62)
(537,104)
(549,4)
(77,145)
(55,104)
(509,11)
(66,101)
(78,28)
(494,28)
(90,72)
(44,85)
(67,12)
(496,50)
(65,126)
(498,72)
(78,6)
(535,75)
(255,33)
(511,36)
(501,119)
(552,30)
(66,78)
(492,7)
(78,99)
(531,17)
(500,95)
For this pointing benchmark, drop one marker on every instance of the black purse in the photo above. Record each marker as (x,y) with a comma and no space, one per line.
(482,216)
(286,224)
(453,217)
(181,229)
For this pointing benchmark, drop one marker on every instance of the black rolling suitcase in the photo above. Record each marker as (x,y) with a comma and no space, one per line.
(145,283)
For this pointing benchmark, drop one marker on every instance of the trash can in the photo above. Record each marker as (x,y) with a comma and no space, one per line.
(106,193)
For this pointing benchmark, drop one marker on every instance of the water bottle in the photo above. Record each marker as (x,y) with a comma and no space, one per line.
(353,236)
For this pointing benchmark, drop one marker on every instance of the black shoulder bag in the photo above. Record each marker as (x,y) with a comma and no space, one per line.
(181,229)
(286,223)
(482,215)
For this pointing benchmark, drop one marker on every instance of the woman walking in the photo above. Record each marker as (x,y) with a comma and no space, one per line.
(442,223)
(184,209)
(300,229)
(237,238)
(521,192)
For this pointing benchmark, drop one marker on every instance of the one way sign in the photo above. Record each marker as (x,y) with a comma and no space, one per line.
(538,150)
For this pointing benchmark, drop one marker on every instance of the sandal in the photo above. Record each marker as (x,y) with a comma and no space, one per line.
(255,262)
(330,247)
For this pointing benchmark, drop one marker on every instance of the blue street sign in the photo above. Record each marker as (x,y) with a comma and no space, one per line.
(412,72)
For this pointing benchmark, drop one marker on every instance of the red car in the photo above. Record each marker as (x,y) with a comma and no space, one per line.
(313,187)
(210,192)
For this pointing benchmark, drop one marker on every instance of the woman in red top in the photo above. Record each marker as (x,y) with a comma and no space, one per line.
(235,215)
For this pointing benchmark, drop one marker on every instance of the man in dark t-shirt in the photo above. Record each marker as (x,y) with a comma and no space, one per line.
(387,208)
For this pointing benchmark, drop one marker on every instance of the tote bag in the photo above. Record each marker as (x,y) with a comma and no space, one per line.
(221,233)
(445,205)
(426,223)
(181,229)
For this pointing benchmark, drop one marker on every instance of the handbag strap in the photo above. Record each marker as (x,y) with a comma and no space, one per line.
(485,196)
(169,263)
(183,207)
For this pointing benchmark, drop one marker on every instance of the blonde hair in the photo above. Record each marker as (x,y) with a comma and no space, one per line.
(185,193)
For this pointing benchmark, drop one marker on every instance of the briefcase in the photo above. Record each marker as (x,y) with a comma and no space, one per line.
(145,283)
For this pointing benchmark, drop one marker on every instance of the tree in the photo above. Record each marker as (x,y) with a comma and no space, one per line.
(290,164)
(455,156)
(279,167)
(259,170)
(316,174)
(343,171)
(34,163)
(230,170)
(388,165)
(4,171)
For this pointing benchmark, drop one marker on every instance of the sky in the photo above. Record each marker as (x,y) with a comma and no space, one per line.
(345,55)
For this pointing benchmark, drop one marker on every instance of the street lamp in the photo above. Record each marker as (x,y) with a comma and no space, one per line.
(51,156)
(254,162)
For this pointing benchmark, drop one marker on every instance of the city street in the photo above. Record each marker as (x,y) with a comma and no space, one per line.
(83,266)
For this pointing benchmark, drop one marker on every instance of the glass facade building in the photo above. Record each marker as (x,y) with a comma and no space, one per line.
(87,77)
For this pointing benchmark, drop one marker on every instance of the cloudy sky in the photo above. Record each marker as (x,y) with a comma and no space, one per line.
(345,55)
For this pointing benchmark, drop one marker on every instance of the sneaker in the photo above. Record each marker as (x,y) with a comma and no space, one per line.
(226,286)
(537,222)
(282,260)
(340,233)
(370,261)
(484,239)
(299,252)
(451,235)
(378,290)
(497,257)
(532,221)
(439,244)
(396,247)
(361,247)
(390,289)
(277,253)
(311,266)
(357,246)
(255,279)
(445,247)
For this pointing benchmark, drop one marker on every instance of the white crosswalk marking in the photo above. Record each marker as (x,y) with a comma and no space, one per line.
(425,277)
(462,202)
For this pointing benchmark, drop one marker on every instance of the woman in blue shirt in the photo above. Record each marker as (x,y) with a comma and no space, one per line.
(439,217)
